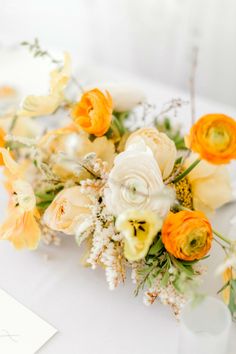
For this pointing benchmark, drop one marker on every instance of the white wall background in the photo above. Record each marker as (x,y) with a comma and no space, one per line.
(151,38)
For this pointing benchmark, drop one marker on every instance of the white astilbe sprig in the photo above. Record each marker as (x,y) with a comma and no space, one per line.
(167,295)
(114,262)
(107,245)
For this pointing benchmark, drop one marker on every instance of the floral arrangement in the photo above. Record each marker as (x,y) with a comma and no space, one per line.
(121,179)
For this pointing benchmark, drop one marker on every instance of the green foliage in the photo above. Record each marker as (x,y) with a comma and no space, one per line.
(173,133)
(44,199)
(232,298)
(160,265)
(37,51)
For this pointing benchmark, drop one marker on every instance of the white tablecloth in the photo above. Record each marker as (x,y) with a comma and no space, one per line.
(76,300)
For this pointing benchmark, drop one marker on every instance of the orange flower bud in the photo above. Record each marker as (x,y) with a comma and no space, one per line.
(187,235)
(93,112)
(213,137)
(2,143)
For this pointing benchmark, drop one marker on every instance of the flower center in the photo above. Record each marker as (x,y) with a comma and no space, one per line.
(219,137)
(196,240)
(135,191)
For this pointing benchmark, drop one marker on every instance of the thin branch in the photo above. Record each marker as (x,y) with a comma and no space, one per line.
(192,83)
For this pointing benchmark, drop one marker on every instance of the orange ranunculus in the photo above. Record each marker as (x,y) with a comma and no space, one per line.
(213,137)
(93,112)
(187,235)
(2,143)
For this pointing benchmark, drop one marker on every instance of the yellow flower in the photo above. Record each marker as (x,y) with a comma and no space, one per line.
(210,185)
(139,228)
(21,227)
(34,106)
(162,146)
(68,212)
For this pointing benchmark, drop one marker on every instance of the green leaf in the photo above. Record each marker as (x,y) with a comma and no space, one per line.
(43,205)
(224,287)
(156,247)
(179,160)
(184,268)
(165,279)
(232,299)
(167,123)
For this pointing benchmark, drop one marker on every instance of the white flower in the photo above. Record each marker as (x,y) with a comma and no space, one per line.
(125,96)
(135,182)
(162,146)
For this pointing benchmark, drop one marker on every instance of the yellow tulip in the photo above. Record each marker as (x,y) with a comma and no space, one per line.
(139,228)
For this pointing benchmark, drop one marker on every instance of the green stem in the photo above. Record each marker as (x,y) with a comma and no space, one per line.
(226,240)
(187,171)
(13,123)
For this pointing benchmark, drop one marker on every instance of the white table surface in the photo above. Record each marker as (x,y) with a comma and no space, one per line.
(76,300)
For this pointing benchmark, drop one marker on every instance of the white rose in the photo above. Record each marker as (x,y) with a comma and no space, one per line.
(162,146)
(135,182)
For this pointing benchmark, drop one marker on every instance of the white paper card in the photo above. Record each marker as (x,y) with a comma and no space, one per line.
(21,331)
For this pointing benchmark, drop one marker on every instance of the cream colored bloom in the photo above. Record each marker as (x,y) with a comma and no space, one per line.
(68,212)
(139,228)
(210,185)
(162,146)
(34,106)
(135,182)
(73,144)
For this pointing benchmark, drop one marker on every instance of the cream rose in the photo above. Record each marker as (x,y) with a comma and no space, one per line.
(68,212)
(210,185)
(135,182)
(162,146)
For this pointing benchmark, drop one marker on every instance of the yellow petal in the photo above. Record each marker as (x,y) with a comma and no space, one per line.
(60,77)
(138,241)
(21,229)
(212,192)
(24,194)
(9,162)
(202,170)
(34,106)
